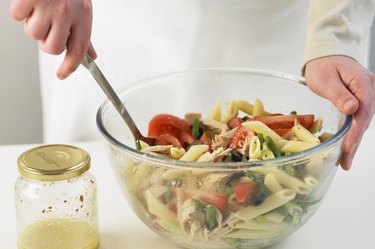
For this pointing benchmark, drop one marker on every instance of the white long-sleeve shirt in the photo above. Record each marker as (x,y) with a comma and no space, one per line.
(135,39)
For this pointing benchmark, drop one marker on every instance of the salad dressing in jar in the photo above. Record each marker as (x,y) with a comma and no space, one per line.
(56,203)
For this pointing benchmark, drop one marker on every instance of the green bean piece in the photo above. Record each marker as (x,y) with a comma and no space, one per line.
(198,205)
(195,128)
(272,146)
(138,145)
(228,190)
(260,136)
(211,217)
(289,169)
(261,139)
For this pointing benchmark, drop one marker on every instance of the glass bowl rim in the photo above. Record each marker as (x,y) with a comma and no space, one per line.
(221,166)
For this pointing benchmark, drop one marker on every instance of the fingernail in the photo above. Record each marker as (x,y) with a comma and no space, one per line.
(350,160)
(348,106)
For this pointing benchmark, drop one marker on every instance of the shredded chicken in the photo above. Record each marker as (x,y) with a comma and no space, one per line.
(219,154)
(160,149)
(222,140)
(158,190)
(214,126)
(192,220)
(215,181)
(219,231)
(191,116)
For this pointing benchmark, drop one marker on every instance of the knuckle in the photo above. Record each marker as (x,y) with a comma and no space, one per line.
(63,9)
(53,49)
(86,6)
(32,32)
(340,98)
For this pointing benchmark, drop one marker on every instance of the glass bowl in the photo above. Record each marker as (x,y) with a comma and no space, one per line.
(192,203)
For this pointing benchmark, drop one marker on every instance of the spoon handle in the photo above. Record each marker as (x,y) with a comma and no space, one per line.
(111,94)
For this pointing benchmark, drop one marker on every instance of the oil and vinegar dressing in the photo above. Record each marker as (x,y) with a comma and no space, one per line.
(59,234)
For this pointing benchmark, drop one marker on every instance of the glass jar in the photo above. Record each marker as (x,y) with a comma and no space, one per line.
(56,203)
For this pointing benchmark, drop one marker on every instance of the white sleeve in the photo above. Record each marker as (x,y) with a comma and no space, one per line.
(337,27)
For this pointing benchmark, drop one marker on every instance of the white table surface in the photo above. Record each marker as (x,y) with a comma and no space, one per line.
(345,220)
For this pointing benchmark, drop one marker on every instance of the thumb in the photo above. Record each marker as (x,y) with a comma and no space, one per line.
(335,91)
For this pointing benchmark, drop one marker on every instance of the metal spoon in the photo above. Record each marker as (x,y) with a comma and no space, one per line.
(88,63)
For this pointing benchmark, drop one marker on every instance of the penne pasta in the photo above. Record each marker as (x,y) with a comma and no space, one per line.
(295,146)
(252,234)
(194,152)
(305,135)
(245,107)
(274,216)
(158,209)
(285,180)
(275,200)
(258,109)
(272,184)
(216,112)
(230,112)
(253,224)
(176,153)
(260,127)
(255,148)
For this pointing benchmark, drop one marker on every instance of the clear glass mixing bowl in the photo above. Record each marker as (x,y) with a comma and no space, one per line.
(172,198)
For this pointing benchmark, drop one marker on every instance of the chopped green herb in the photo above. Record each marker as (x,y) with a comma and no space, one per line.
(245,118)
(293,113)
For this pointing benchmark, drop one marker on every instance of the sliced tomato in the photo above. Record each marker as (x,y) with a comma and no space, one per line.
(234,122)
(187,138)
(168,139)
(239,137)
(167,129)
(218,200)
(163,122)
(286,121)
(282,131)
(244,191)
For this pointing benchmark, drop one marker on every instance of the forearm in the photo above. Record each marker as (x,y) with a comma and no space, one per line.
(337,27)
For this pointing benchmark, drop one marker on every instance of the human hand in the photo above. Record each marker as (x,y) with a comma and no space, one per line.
(56,25)
(351,88)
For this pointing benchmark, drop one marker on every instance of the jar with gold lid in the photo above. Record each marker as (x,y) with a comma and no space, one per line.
(56,203)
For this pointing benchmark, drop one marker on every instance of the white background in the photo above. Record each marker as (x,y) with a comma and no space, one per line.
(20,103)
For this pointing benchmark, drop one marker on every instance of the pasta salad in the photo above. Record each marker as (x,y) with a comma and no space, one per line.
(228,209)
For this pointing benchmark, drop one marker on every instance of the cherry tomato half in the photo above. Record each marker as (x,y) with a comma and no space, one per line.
(286,121)
(162,123)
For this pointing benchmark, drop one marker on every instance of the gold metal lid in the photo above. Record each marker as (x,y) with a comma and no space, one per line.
(53,162)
